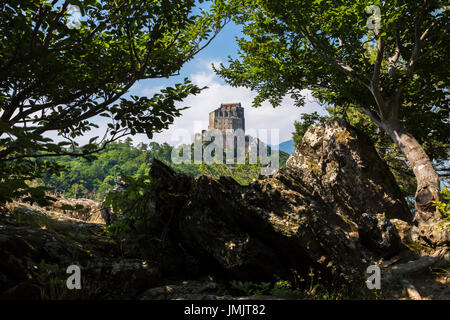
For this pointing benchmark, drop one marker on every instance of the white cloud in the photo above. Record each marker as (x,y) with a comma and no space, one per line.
(149,92)
(196,118)
(265,117)
(203,79)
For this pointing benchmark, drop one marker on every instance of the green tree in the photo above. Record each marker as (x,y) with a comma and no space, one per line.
(56,78)
(303,125)
(396,73)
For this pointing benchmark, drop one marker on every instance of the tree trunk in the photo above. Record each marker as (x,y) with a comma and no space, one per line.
(427,217)
(428,184)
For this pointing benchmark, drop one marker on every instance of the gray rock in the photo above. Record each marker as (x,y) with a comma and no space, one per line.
(302,219)
(379,235)
(325,216)
(186,290)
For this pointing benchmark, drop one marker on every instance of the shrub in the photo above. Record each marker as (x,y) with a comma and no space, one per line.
(444,207)
(134,210)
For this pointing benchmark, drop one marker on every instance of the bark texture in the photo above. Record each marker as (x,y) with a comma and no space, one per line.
(427,218)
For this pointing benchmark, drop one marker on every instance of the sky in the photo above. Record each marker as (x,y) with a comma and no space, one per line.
(200,72)
(194,119)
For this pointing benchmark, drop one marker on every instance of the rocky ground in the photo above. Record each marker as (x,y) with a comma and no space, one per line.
(308,232)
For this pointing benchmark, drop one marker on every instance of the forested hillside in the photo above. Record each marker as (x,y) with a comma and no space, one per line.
(92,179)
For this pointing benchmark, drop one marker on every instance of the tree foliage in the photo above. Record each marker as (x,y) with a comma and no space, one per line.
(396,74)
(301,126)
(55,78)
(444,207)
(80,178)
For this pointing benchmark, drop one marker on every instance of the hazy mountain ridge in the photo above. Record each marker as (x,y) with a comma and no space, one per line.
(286,146)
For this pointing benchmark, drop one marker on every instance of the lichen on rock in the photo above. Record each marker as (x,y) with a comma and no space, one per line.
(300,219)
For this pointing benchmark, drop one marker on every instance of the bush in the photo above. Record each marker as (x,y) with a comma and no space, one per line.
(134,211)
(444,207)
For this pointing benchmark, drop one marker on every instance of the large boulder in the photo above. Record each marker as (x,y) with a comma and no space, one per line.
(83,209)
(33,265)
(301,221)
(379,235)
(334,210)
(343,167)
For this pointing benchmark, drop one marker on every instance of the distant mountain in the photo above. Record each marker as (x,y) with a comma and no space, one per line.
(287,146)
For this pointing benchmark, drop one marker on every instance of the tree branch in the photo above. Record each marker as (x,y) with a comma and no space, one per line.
(375,82)
(340,65)
(373,116)
(100,27)
(441,37)
(394,58)
(49,35)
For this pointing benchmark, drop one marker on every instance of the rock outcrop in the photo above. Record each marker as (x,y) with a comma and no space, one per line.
(343,167)
(379,235)
(302,220)
(33,263)
(334,210)
(83,209)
